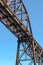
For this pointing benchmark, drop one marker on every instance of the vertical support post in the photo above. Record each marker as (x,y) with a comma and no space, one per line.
(15,7)
(17,57)
(34,53)
(21,10)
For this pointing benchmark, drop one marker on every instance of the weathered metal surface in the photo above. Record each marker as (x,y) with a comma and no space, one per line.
(16,26)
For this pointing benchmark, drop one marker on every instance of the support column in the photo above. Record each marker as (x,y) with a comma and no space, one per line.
(17,57)
(15,7)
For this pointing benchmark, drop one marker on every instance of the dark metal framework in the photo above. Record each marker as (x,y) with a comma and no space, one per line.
(15,18)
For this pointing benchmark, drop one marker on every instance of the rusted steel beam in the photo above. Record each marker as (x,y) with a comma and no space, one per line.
(17,28)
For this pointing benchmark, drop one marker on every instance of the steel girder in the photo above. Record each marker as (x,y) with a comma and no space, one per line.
(14,19)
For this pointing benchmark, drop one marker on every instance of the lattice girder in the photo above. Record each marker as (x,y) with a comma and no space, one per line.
(11,20)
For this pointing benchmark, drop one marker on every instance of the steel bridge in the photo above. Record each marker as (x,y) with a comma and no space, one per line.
(14,16)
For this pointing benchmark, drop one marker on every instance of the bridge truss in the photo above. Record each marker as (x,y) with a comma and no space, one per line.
(15,18)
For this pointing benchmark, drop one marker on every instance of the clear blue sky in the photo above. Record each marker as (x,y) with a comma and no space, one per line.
(8,42)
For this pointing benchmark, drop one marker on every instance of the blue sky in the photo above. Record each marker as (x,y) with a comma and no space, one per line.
(8,42)
(35,10)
